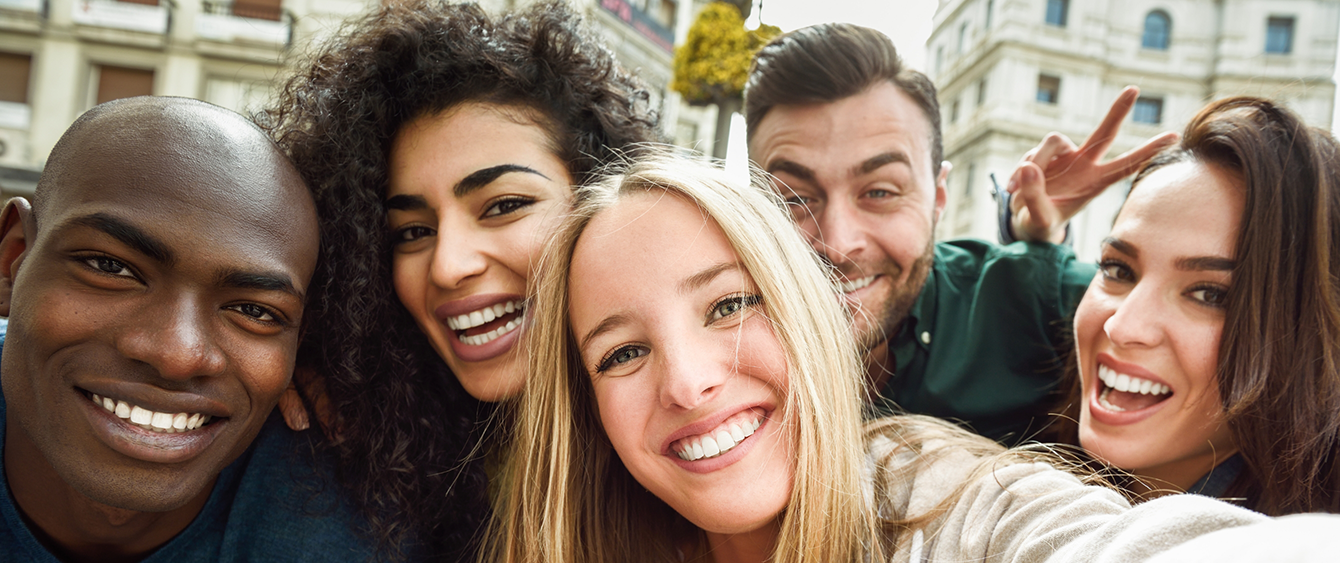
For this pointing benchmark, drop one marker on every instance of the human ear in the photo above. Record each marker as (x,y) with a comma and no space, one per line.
(941,187)
(16,222)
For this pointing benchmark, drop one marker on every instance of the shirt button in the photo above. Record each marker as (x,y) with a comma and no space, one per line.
(925,337)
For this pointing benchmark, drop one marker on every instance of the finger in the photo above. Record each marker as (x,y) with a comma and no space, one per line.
(290,406)
(1052,146)
(1132,160)
(1036,224)
(1102,137)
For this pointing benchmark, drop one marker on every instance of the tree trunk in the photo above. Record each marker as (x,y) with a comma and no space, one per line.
(725,108)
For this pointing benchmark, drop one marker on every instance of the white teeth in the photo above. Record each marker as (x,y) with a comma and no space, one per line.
(484,315)
(853,285)
(490,336)
(710,448)
(1130,384)
(151,420)
(1102,400)
(718,442)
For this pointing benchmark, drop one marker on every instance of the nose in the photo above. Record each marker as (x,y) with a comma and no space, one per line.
(1138,318)
(176,338)
(457,257)
(691,377)
(839,236)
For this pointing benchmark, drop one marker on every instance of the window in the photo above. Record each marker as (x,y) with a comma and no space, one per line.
(1148,110)
(981,91)
(116,82)
(962,36)
(1158,30)
(1057,12)
(989,5)
(1049,88)
(939,58)
(1279,35)
(14,72)
(953,111)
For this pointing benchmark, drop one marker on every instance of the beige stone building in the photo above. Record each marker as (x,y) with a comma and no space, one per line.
(58,58)
(1010,71)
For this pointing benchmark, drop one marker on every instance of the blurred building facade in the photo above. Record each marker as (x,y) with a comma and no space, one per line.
(1010,71)
(58,58)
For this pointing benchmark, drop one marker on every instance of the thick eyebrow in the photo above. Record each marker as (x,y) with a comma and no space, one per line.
(880,160)
(707,275)
(1122,246)
(485,176)
(405,203)
(1186,263)
(129,235)
(792,168)
(262,281)
(1204,263)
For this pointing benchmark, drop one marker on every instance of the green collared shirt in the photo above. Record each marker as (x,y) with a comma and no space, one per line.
(985,342)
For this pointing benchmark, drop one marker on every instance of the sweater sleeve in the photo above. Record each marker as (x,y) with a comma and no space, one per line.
(1032,512)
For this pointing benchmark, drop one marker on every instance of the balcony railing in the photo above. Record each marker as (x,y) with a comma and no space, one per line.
(223,20)
(122,15)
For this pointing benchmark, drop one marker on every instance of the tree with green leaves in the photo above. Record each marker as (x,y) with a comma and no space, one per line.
(713,63)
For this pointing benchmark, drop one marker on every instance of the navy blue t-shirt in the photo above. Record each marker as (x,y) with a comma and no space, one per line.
(274,503)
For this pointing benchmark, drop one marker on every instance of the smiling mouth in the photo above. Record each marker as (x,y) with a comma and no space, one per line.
(161,422)
(848,286)
(1123,393)
(487,324)
(730,433)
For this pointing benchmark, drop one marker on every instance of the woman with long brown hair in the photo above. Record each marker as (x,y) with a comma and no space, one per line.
(1208,346)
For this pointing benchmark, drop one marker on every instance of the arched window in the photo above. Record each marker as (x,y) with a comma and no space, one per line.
(1158,30)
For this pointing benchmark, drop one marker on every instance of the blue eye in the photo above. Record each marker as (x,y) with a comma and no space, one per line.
(621,356)
(732,305)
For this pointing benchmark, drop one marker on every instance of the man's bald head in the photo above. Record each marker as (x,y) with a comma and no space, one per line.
(131,130)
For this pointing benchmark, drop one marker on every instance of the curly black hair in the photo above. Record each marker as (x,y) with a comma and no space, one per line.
(408,438)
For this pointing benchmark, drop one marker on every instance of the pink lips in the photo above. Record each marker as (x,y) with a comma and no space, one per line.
(1113,418)
(704,425)
(488,350)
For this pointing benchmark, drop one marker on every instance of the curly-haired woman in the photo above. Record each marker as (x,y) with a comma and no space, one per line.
(442,144)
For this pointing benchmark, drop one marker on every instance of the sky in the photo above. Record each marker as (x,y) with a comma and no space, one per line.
(908,22)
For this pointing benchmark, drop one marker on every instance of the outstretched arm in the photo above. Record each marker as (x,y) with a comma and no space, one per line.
(1057,179)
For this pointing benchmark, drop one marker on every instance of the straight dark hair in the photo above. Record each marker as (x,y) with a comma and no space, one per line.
(828,62)
(1278,375)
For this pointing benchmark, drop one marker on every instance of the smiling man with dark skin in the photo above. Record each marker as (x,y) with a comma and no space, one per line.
(155,292)
(966,330)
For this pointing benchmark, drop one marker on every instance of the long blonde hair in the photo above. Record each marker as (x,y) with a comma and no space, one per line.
(566,497)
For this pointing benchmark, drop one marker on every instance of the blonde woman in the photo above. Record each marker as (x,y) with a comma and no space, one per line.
(694,396)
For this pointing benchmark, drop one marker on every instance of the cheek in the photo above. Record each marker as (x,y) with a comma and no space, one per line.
(1198,353)
(621,405)
(409,275)
(904,234)
(761,356)
(266,368)
(1093,311)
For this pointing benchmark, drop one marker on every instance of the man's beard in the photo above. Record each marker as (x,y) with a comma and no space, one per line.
(898,304)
